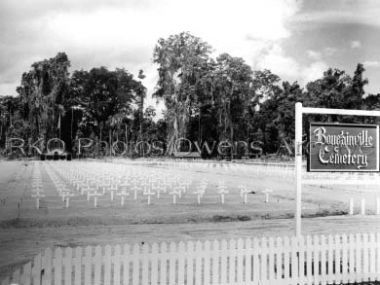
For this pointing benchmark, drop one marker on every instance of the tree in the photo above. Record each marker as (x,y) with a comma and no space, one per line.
(233,89)
(180,58)
(44,90)
(140,96)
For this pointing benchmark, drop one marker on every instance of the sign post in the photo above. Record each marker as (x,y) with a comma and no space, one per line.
(298,162)
(299,111)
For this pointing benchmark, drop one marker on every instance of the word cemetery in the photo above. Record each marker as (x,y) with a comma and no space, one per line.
(344,147)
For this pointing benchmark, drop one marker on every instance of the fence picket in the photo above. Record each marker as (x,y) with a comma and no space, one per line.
(372,252)
(223,262)
(207,258)
(116,265)
(78,266)
(68,265)
(266,253)
(126,264)
(344,258)
(57,262)
(154,262)
(145,264)
(136,265)
(46,267)
(172,262)
(338,258)
(26,274)
(87,258)
(286,259)
(256,265)
(248,261)
(365,257)
(215,262)
(231,261)
(377,276)
(309,259)
(239,261)
(358,256)
(316,259)
(294,259)
(278,261)
(97,264)
(300,260)
(330,260)
(351,259)
(36,269)
(47,262)
(323,260)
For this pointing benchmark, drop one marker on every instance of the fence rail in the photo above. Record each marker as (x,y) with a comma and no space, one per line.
(317,259)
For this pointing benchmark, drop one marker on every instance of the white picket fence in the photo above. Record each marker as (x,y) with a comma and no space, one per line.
(315,259)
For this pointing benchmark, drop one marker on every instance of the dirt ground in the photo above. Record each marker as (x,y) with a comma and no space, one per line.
(24,230)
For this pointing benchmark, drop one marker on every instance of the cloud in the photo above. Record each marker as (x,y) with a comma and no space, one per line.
(290,69)
(313,71)
(329,51)
(120,33)
(355,44)
(364,12)
(314,54)
(371,63)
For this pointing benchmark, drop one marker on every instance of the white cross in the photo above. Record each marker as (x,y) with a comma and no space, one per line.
(222,191)
(174,193)
(37,196)
(66,197)
(149,193)
(243,193)
(123,194)
(200,192)
(95,194)
(266,192)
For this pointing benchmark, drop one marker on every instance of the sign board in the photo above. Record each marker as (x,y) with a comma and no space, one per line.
(343,147)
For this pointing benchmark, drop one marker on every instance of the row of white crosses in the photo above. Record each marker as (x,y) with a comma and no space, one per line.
(258,169)
(61,186)
(98,179)
(37,185)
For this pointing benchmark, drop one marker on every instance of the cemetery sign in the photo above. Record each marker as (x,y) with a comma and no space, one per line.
(343,147)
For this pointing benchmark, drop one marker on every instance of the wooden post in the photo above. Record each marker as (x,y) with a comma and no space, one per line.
(298,165)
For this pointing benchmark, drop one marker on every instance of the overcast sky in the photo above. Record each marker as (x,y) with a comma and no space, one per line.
(297,40)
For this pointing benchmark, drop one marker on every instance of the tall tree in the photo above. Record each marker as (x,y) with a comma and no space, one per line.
(44,90)
(179,58)
(233,89)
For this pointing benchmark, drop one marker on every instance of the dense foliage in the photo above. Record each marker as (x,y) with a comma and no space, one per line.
(206,99)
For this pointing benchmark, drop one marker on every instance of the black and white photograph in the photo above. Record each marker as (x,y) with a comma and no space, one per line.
(189,142)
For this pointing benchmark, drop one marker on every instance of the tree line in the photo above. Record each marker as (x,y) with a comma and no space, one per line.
(206,99)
